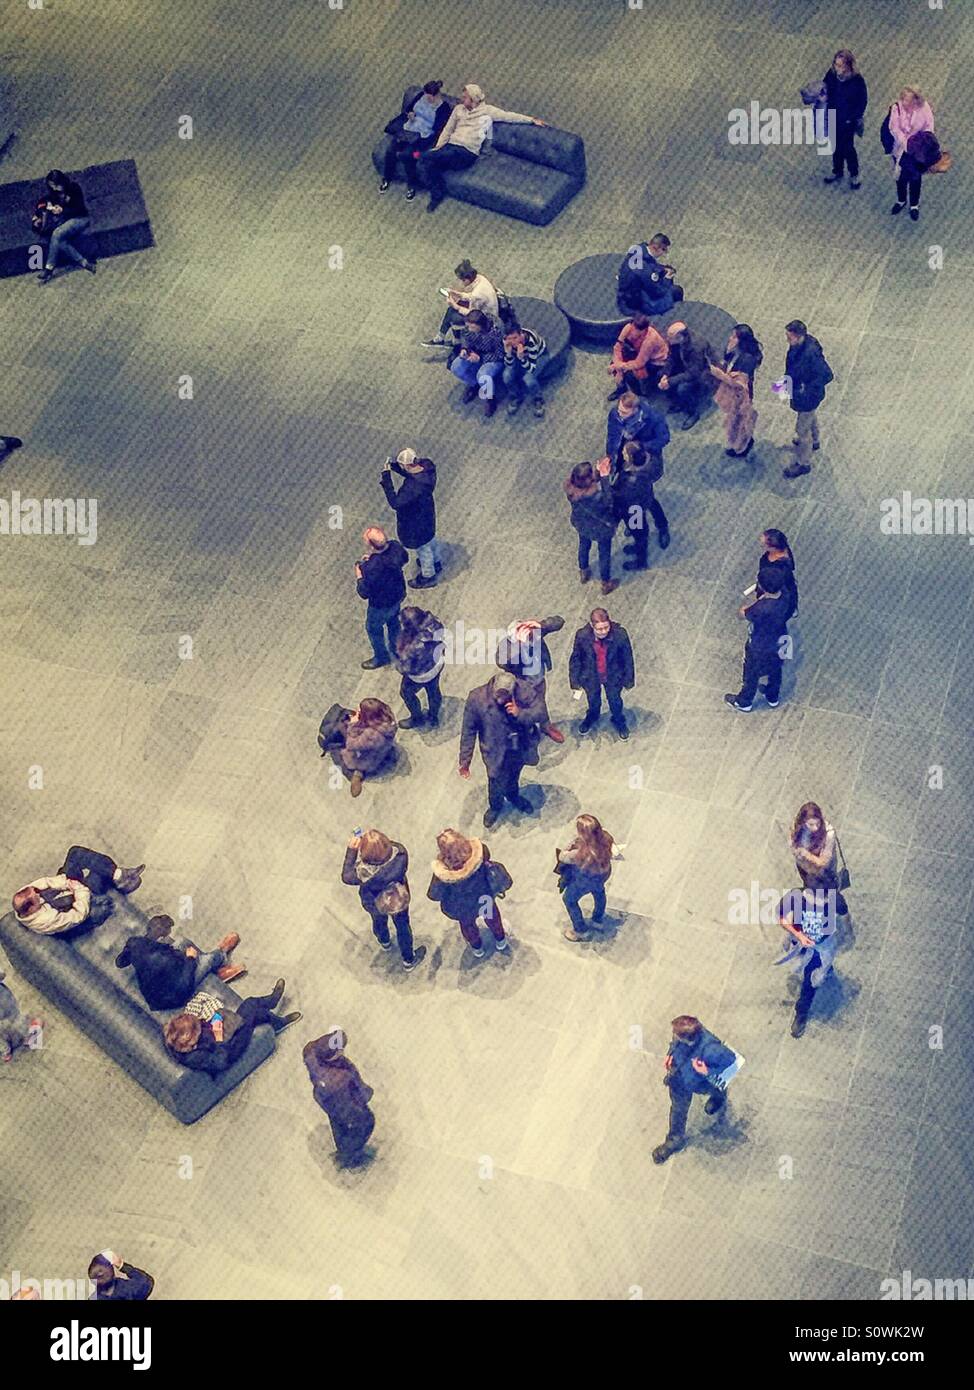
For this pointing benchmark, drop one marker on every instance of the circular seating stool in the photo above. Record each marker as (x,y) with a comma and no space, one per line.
(585,292)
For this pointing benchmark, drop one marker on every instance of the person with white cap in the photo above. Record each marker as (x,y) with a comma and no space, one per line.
(341,1093)
(470,123)
(415,511)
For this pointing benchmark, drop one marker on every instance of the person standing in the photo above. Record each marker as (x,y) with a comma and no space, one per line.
(584,869)
(8,443)
(639,357)
(380,582)
(413,132)
(415,509)
(469,124)
(816,848)
(116,1281)
(646,283)
(692,1067)
(636,502)
(525,363)
(634,418)
(735,391)
(601,659)
(846,96)
(777,552)
(810,921)
(589,494)
(420,658)
(524,653)
(809,374)
(342,1094)
(16,1029)
(763,648)
(480,360)
(922,155)
(466,883)
(503,714)
(687,380)
(62,216)
(475,292)
(911,114)
(377,866)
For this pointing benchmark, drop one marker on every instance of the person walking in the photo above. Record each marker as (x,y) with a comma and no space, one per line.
(415,509)
(777,552)
(763,648)
(846,96)
(583,870)
(589,494)
(504,715)
(377,866)
(342,1094)
(693,1066)
(809,374)
(817,851)
(62,216)
(480,360)
(370,739)
(735,390)
(469,125)
(466,883)
(413,132)
(639,357)
(601,659)
(16,1030)
(635,500)
(379,581)
(420,658)
(687,381)
(811,924)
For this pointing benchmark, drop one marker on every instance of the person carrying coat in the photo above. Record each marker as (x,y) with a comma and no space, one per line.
(342,1094)
(636,502)
(466,883)
(503,714)
(692,1066)
(846,96)
(809,374)
(415,510)
(376,866)
(589,494)
(602,659)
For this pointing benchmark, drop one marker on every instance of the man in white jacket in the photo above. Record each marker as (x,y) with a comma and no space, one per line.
(461,139)
(77,893)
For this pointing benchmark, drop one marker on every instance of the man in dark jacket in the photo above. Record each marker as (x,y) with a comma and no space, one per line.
(118,1282)
(602,659)
(688,381)
(524,653)
(768,616)
(169,975)
(341,1093)
(504,714)
(809,374)
(636,501)
(415,510)
(646,283)
(380,582)
(632,417)
(692,1066)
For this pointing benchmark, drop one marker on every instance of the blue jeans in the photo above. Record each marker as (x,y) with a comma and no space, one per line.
(428,557)
(206,963)
(579,885)
(605,555)
(61,241)
(480,374)
(519,382)
(381,623)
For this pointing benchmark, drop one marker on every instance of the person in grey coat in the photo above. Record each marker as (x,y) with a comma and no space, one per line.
(504,715)
(15,1027)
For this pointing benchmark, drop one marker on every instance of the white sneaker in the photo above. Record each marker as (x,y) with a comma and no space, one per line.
(477,952)
(501,945)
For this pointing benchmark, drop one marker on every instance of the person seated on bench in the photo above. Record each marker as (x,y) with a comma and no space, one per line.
(689,381)
(639,357)
(646,284)
(77,893)
(480,360)
(525,363)
(118,1282)
(15,1027)
(210,1037)
(61,215)
(413,133)
(475,292)
(168,975)
(470,123)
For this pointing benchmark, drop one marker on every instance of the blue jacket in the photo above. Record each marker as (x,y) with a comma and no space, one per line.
(710,1049)
(643,286)
(646,424)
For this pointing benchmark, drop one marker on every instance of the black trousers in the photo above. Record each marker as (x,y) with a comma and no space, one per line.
(404,934)
(89,867)
(613,696)
(689,396)
(806,994)
(259,1008)
(409,691)
(402,150)
(680,1099)
(434,164)
(758,664)
(504,787)
(845,150)
(637,532)
(909,186)
(351,1133)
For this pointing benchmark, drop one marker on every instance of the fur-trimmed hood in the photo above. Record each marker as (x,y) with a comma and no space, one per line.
(477,857)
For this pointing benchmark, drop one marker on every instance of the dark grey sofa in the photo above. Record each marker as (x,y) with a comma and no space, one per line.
(526,171)
(79,976)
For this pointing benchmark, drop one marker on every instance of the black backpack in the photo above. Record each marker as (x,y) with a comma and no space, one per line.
(331,731)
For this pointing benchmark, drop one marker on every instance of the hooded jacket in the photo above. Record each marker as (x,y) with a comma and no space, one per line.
(592,510)
(339,1089)
(423,654)
(392,871)
(461,893)
(367,746)
(501,733)
(646,424)
(809,372)
(413,504)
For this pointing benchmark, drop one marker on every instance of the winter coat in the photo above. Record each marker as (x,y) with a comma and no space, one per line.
(367,746)
(501,733)
(392,871)
(847,98)
(643,285)
(462,893)
(633,487)
(690,363)
(512,656)
(646,424)
(583,671)
(413,504)
(809,372)
(423,655)
(382,582)
(592,510)
(340,1090)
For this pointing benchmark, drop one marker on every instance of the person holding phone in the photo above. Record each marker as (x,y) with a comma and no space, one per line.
(474,291)
(412,132)
(208,1036)
(62,216)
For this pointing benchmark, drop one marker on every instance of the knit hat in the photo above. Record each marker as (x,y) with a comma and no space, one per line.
(406,457)
(474,91)
(504,681)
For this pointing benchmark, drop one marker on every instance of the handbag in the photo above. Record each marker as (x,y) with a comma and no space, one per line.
(860,126)
(844,878)
(498,879)
(885,134)
(943,163)
(393,899)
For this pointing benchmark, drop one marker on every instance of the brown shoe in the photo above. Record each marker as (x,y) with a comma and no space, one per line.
(226,973)
(572,935)
(609,586)
(554,734)
(355,786)
(584,575)
(230,942)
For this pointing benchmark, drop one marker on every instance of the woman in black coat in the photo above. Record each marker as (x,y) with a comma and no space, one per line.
(415,129)
(846,95)
(466,883)
(593,517)
(210,1037)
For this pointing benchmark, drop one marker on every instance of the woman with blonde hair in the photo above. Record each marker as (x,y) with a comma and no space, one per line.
(846,95)
(584,869)
(466,883)
(910,116)
(376,866)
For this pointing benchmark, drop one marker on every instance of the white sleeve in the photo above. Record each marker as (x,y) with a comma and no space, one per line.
(513,117)
(449,128)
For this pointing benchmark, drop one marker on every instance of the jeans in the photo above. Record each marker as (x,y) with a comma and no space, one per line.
(480,374)
(402,149)
(614,697)
(60,244)
(579,885)
(758,663)
(89,867)
(520,383)
(845,151)
(504,787)
(637,532)
(434,164)
(471,931)
(904,186)
(380,623)
(428,557)
(605,555)
(409,691)
(206,963)
(451,319)
(680,1099)
(404,935)
(806,432)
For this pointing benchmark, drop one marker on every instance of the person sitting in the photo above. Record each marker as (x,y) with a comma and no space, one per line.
(688,380)
(525,363)
(646,284)
(369,741)
(639,357)
(15,1029)
(412,132)
(61,216)
(168,974)
(524,653)
(480,360)
(469,125)
(475,292)
(76,894)
(209,1037)
(118,1282)
(634,418)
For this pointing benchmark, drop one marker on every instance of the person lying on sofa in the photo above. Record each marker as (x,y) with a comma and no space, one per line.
(209,1037)
(168,975)
(469,125)
(77,893)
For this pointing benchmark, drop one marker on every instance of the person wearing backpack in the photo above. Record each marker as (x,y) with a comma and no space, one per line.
(809,374)
(466,883)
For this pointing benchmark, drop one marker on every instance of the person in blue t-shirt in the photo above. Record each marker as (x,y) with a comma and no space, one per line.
(412,132)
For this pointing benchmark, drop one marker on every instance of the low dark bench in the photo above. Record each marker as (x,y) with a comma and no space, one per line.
(119,220)
(548,320)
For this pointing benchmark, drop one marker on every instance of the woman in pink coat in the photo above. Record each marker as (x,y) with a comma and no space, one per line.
(910,114)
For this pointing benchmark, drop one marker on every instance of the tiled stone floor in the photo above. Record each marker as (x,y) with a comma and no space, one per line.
(517,1102)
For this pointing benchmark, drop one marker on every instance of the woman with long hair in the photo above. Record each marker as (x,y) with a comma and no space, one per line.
(910,120)
(846,95)
(466,883)
(593,517)
(376,866)
(419,658)
(814,844)
(584,869)
(369,741)
(735,389)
